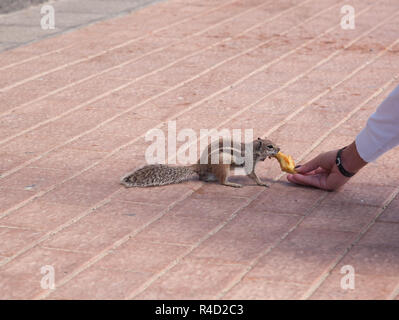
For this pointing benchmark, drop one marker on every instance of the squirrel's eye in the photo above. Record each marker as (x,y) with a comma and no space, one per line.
(270,146)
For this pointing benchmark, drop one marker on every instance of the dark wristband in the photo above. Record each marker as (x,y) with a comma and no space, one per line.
(338,162)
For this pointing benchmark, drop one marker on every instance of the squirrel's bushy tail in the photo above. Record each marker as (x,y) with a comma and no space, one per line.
(157,175)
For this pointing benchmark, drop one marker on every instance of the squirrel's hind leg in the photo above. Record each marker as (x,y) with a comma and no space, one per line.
(222,173)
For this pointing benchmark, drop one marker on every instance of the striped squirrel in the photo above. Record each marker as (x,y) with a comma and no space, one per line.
(229,156)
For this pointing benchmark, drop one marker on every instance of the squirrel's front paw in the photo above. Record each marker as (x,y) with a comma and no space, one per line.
(264,184)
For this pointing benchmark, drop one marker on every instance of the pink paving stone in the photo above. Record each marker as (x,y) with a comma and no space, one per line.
(208,208)
(34,179)
(29,144)
(368,194)
(378,173)
(192,280)
(93,188)
(193,210)
(27,70)
(366,288)
(341,217)
(16,287)
(103,226)
(67,195)
(15,239)
(97,283)
(41,215)
(391,213)
(259,289)
(128,97)
(178,230)
(283,197)
(214,190)
(11,123)
(372,261)
(245,237)
(28,266)
(381,234)
(10,198)
(138,125)
(147,257)
(287,264)
(9,160)
(106,175)
(315,241)
(93,142)
(69,159)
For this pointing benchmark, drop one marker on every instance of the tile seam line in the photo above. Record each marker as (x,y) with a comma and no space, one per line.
(133,60)
(126,84)
(322,278)
(88,58)
(39,194)
(165,67)
(126,238)
(16,84)
(133,40)
(266,251)
(108,196)
(81,26)
(296,78)
(35,57)
(193,106)
(379,211)
(110,248)
(318,142)
(269,249)
(307,152)
(48,234)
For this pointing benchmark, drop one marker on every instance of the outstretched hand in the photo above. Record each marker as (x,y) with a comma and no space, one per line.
(322,172)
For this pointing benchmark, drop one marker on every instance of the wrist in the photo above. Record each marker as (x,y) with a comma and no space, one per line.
(351,159)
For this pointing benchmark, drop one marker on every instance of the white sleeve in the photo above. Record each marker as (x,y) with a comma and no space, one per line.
(382,130)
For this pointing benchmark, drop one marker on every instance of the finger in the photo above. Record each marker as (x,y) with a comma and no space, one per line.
(317,181)
(309,166)
(316,171)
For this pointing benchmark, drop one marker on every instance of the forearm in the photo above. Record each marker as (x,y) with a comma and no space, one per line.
(351,159)
(382,130)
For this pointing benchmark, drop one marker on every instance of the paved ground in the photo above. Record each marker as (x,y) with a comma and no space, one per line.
(7,6)
(74,110)
(24,26)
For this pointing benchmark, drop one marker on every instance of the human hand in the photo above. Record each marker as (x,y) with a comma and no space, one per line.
(322,172)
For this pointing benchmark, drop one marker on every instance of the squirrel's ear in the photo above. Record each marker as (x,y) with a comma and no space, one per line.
(257,144)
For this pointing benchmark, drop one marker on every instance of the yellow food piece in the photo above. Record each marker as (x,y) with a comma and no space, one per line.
(286,162)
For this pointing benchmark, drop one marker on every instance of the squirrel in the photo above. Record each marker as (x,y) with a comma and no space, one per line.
(238,155)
